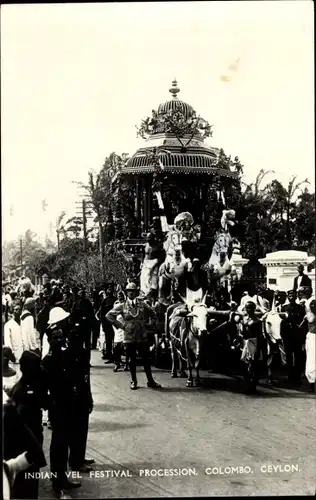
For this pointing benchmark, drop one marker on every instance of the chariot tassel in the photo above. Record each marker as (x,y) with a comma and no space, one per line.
(223,198)
(161,165)
(163,218)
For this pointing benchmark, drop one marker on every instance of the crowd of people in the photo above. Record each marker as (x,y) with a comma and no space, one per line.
(47,341)
(46,367)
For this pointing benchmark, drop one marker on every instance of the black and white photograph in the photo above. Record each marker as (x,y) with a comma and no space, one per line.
(158,249)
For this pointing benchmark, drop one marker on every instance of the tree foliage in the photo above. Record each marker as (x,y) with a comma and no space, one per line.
(269,217)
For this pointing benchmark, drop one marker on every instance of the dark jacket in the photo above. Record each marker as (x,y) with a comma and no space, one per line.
(306,281)
(30,398)
(106,306)
(79,366)
(42,320)
(296,313)
(82,312)
(59,381)
(18,438)
(66,304)
(68,380)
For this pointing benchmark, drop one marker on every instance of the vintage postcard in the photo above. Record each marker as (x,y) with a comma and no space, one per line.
(158,249)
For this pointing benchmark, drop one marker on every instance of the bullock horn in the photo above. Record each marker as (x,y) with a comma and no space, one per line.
(204,299)
(183,300)
(273,308)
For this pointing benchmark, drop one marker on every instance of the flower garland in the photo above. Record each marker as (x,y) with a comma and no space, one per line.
(176,122)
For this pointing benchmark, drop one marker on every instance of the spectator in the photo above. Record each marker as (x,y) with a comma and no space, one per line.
(13,337)
(106,305)
(133,312)
(301,279)
(30,397)
(28,326)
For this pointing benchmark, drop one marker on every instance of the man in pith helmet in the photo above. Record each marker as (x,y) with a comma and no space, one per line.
(62,399)
(134,314)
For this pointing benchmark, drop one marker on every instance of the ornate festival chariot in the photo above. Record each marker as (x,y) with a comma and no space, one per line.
(176,174)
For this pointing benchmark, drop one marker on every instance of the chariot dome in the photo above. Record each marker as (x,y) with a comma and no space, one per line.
(187,154)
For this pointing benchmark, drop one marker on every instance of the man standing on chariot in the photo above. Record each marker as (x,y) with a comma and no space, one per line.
(152,261)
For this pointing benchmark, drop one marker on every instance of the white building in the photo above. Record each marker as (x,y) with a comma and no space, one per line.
(282,268)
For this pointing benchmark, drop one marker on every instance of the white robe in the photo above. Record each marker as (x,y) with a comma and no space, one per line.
(310,344)
(310,348)
(13,338)
(118,332)
(149,275)
(28,333)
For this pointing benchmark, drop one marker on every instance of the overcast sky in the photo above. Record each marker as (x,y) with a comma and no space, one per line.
(77,78)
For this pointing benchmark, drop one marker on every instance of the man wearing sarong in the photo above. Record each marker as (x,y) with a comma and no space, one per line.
(310,343)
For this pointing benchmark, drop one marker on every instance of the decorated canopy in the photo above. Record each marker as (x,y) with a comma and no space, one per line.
(177,135)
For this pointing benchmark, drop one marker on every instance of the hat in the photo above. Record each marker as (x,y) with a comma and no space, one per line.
(30,301)
(56,315)
(8,354)
(29,361)
(131,286)
(29,356)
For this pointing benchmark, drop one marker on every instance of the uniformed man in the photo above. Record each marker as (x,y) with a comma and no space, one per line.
(83,314)
(134,313)
(79,367)
(62,391)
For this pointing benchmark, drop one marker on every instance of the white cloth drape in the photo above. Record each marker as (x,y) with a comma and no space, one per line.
(29,333)
(101,339)
(310,367)
(249,349)
(45,346)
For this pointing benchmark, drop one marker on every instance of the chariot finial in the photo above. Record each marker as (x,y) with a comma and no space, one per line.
(174,89)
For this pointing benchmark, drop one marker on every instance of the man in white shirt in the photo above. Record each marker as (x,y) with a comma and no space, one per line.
(13,333)
(28,326)
(251,296)
(6,297)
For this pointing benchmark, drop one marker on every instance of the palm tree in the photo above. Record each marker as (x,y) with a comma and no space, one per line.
(103,192)
(292,188)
